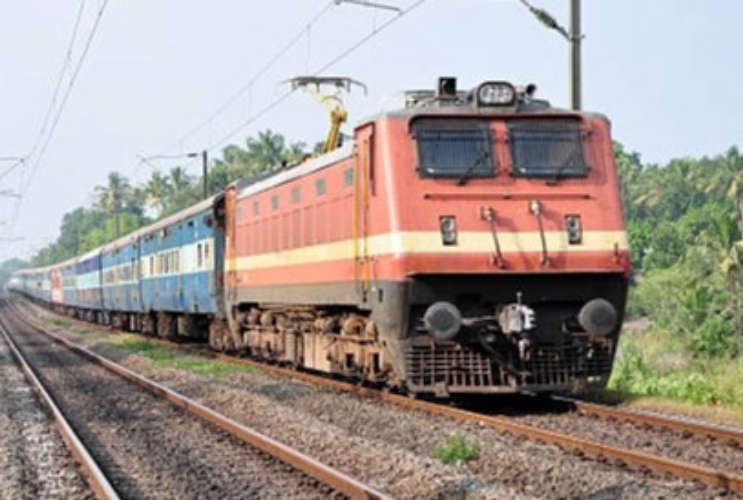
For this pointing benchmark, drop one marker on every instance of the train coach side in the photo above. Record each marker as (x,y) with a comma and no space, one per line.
(88,285)
(180,271)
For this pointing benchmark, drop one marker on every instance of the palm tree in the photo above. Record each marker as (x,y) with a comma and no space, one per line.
(112,197)
(267,151)
(728,178)
(180,179)
(157,191)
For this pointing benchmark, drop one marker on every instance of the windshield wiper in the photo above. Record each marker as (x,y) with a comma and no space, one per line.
(558,174)
(478,161)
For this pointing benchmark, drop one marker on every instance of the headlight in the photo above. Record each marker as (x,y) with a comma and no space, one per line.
(448,225)
(574,227)
(496,94)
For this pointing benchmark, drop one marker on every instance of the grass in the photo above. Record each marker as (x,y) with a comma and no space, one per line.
(456,450)
(164,357)
(60,322)
(654,370)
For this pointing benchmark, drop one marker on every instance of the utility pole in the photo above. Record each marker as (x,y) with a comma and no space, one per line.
(574,39)
(575,59)
(205,165)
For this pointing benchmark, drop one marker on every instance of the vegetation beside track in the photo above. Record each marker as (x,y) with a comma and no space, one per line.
(172,358)
(456,450)
(684,223)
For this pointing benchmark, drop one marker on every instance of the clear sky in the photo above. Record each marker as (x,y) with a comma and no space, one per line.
(666,72)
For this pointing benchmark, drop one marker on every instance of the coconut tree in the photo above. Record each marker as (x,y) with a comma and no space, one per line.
(179,179)
(727,177)
(157,191)
(112,197)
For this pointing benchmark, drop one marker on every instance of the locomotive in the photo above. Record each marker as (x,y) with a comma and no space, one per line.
(471,242)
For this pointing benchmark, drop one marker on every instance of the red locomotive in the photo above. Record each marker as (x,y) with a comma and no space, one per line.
(471,242)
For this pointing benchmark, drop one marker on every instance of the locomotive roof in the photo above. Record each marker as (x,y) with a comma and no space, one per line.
(247,187)
(540,109)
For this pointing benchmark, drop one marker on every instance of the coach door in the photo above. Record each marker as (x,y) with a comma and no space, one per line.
(363,191)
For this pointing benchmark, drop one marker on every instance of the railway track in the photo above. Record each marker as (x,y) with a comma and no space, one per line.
(686,426)
(205,452)
(95,478)
(601,450)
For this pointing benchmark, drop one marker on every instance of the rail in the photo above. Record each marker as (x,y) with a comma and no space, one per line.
(721,433)
(300,461)
(95,477)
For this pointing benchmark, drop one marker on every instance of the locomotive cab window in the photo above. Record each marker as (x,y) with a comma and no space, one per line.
(454,148)
(547,148)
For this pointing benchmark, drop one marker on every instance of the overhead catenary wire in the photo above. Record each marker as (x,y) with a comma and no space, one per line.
(335,60)
(18,161)
(256,76)
(58,86)
(60,110)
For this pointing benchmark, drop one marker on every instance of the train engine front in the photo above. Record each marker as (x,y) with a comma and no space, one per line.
(492,243)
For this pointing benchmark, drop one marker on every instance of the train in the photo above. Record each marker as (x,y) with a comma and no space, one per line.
(468,242)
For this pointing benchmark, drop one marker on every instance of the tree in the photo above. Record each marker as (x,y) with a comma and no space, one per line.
(728,177)
(180,179)
(112,197)
(157,191)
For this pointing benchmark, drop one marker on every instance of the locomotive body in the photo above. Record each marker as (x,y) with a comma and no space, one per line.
(471,242)
(452,248)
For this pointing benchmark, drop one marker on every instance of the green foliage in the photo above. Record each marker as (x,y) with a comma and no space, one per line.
(683,222)
(456,450)
(690,383)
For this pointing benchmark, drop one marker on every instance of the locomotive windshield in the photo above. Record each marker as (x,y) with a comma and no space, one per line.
(550,149)
(454,149)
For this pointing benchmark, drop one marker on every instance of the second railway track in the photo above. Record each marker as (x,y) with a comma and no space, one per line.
(149,447)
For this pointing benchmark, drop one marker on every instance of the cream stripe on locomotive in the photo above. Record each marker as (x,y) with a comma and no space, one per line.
(420,242)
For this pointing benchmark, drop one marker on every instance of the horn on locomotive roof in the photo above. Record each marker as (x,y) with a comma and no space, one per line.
(328,91)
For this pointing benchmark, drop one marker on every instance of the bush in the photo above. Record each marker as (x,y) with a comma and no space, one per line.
(712,338)
(633,374)
(456,450)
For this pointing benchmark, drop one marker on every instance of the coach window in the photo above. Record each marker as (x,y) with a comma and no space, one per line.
(275,202)
(206,253)
(296,194)
(198,256)
(151,270)
(256,208)
(320,187)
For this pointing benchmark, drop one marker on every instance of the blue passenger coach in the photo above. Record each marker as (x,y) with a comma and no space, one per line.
(179,258)
(120,282)
(163,279)
(88,280)
(69,283)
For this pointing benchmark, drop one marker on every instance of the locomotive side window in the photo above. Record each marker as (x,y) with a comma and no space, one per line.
(549,149)
(348,177)
(320,187)
(454,148)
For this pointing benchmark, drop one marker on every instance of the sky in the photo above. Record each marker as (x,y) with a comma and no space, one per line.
(665,72)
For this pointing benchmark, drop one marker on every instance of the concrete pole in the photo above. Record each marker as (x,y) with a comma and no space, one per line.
(575,60)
